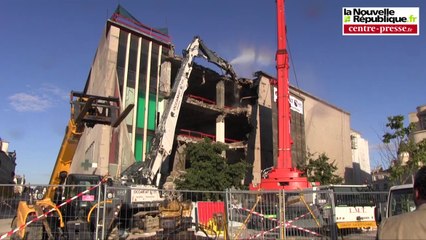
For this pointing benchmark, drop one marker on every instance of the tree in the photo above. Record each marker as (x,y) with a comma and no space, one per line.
(320,170)
(208,170)
(399,145)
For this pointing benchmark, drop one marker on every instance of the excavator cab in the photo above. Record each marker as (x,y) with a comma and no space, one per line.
(75,184)
(77,212)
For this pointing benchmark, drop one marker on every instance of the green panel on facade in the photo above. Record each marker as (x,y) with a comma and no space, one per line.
(139,144)
(140,118)
(152,111)
(138,147)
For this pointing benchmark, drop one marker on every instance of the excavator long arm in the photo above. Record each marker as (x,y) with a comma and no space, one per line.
(145,172)
(218,61)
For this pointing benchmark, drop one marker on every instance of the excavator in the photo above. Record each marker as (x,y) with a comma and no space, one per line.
(136,202)
(86,112)
(146,175)
(147,172)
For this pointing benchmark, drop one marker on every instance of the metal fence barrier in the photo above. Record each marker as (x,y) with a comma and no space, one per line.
(112,212)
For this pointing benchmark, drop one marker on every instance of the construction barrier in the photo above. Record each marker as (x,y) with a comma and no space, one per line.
(46,213)
(229,214)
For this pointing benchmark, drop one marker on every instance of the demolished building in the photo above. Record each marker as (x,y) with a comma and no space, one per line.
(138,65)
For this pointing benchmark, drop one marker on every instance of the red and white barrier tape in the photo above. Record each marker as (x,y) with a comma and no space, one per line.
(8,234)
(272,219)
(287,223)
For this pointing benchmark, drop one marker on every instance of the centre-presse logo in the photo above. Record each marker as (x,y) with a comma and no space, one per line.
(380,21)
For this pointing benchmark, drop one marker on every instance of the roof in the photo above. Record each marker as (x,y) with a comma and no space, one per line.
(123,17)
(298,90)
(403,186)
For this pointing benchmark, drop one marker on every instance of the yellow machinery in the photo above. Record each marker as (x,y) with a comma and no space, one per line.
(86,111)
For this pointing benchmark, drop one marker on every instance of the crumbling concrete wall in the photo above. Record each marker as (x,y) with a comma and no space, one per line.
(92,154)
(326,129)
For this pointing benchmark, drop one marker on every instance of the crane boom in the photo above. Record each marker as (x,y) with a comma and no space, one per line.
(283,175)
(284,114)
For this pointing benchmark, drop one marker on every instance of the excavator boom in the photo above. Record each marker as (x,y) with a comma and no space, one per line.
(145,172)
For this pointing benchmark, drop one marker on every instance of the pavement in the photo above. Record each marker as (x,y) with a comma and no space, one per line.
(5,226)
(370,235)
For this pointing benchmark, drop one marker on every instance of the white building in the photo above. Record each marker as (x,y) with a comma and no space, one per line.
(419,119)
(360,158)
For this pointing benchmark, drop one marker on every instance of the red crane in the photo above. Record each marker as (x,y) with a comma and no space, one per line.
(283,176)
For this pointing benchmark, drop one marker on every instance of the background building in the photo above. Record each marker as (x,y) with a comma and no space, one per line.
(360,159)
(380,177)
(419,119)
(7,163)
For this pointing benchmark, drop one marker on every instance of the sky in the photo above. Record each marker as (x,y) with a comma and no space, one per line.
(47,48)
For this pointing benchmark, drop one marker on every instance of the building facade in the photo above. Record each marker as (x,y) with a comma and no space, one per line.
(419,120)
(316,127)
(380,179)
(126,66)
(360,159)
(7,163)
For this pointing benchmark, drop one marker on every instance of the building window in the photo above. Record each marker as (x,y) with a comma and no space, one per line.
(422,120)
(354,142)
(121,58)
(89,154)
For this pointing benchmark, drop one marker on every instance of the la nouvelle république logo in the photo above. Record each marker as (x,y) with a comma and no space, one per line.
(383,21)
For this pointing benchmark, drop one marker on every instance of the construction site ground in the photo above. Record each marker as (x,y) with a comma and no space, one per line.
(5,225)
